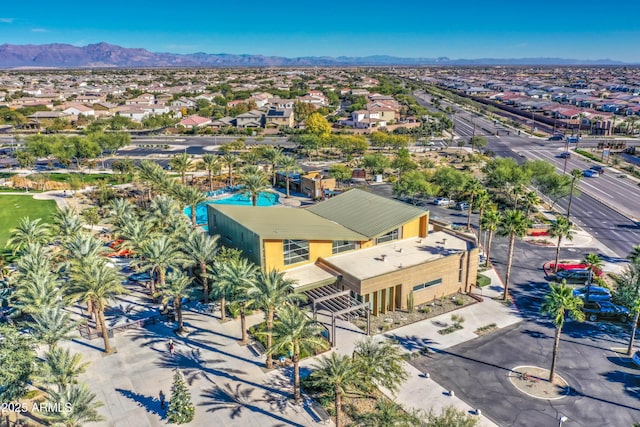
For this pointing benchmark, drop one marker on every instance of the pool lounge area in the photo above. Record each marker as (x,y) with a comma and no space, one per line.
(265,198)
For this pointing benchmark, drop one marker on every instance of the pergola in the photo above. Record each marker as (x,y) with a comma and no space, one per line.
(340,304)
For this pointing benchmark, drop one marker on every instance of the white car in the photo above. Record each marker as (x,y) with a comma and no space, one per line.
(442,201)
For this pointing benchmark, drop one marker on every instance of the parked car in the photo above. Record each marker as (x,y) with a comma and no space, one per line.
(463,206)
(596,293)
(595,310)
(565,155)
(576,275)
(442,201)
(590,173)
(636,357)
(597,168)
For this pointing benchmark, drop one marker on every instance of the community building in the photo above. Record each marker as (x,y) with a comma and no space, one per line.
(385,253)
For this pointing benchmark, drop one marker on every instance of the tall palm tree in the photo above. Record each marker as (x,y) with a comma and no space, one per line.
(472,188)
(234,277)
(96,285)
(66,223)
(336,373)
(272,155)
(192,197)
(513,223)
(161,209)
(36,291)
(490,221)
(381,363)
(482,202)
(294,333)
(62,368)
(211,164)
(288,165)
(254,184)
(594,264)
(135,234)
(181,163)
(271,291)
(558,303)
(159,254)
(121,211)
(201,249)
(576,174)
(230,159)
(562,229)
(82,403)
(83,248)
(152,175)
(52,326)
(635,309)
(177,287)
(28,232)
(531,200)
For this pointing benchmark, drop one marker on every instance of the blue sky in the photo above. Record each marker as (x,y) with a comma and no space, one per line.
(456,29)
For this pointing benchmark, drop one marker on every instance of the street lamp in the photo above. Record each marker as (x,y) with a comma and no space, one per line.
(562,420)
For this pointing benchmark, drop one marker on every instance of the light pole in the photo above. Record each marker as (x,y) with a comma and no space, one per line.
(566,155)
(562,420)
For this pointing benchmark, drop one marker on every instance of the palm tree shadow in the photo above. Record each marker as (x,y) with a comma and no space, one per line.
(238,399)
(151,404)
(194,366)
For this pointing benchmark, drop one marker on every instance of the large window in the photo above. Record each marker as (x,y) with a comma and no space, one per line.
(392,235)
(342,246)
(426,285)
(295,251)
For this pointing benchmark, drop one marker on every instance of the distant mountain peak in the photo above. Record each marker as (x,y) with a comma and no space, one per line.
(103,54)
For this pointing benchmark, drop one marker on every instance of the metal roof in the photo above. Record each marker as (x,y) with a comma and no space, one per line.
(286,223)
(366,213)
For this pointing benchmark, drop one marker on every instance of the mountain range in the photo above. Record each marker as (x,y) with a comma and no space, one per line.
(105,55)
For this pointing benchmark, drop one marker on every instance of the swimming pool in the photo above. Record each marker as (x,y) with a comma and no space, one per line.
(265,198)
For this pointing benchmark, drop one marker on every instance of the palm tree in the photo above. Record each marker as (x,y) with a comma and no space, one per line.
(83,248)
(158,255)
(389,414)
(490,221)
(288,165)
(232,278)
(381,363)
(635,309)
(121,211)
(294,333)
(560,228)
(594,263)
(576,174)
(62,368)
(176,288)
(28,232)
(558,303)
(153,176)
(96,285)
(190,196)
(634,255)
(482,202)
(66,223)
(37,291)
(336,373)
(201,249)
(229,159)
(531,200)
(271,291)
(512,224)
(181,163)
(161,209)
(254,184)
(272,155)
(472,188)
(52,326)
(81,404)
(211,164)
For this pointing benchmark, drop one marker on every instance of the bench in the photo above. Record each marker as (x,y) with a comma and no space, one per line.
(256,348)
(318,411)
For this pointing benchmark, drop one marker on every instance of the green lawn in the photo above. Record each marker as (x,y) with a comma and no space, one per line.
(89,178)
(12,208)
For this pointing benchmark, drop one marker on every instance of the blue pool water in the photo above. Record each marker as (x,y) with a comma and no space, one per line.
(242,199)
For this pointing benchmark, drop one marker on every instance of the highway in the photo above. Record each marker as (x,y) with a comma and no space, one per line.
(608,204)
